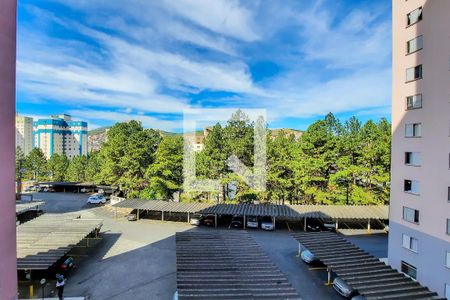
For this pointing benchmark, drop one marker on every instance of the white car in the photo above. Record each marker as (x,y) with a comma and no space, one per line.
(252,222)
(308,257)
(267,223)
(96,199)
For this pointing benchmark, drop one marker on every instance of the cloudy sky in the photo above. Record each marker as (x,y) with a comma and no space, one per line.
(108,60)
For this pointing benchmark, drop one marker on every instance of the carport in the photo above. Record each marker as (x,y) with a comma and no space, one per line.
(43,241)
(255,210)
(339,213)
(227,265)
(24,206)
(162,206)
(363,272)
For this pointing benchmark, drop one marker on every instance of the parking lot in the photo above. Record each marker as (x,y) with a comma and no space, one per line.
(136,260)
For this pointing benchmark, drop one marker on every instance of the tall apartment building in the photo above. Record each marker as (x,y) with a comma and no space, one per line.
(61,135)
(419,238)
(24,133)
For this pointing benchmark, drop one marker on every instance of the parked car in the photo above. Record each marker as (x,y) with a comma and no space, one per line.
(195,220)
(267,223)
(83,190)
(48,190)
(314,225)
(308,257)
(343,288)
(252,222)
(29,189)
(96,199)
(208,220)
(237,222)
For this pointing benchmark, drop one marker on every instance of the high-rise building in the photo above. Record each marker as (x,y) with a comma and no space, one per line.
(24,133)
(61,135)
(419,237)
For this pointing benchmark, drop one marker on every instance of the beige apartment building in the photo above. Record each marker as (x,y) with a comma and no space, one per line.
(24,133)
(419,238)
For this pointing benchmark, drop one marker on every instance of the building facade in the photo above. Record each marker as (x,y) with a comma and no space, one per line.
(61,135)
(419,237)
(24,133)
(8,278)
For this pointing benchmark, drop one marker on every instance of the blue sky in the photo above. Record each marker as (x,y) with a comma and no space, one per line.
(105,61)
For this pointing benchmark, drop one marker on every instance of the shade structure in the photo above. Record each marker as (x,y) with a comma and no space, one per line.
(363,272)
(227,265)
(41,242)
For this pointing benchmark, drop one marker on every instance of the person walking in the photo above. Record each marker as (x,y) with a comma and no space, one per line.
(60,282)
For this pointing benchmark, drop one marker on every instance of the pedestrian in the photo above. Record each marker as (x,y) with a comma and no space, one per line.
(60,282)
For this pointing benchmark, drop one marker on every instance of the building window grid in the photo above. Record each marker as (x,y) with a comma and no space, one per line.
(409,270)
(410,243)
(411,215)
(414,16)
(414,73)
(414,102)
(413,130)
(414,45)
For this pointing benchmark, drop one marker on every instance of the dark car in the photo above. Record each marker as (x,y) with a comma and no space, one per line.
(314,225)
(237,222)
(208,220)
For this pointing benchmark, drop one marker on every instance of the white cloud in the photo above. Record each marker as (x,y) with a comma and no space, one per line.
(147,121)
(227,17)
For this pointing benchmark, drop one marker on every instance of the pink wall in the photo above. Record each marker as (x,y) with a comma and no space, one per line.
(8,273)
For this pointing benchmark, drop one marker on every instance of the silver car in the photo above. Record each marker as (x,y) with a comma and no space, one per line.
(343,288)
(308,257)
(252,222)
(267,223)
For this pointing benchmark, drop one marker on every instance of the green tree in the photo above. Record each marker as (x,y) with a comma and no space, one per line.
(93,167)
(126,155)
(36,165)
(20,163)
(76,170)
(57,167)
(165,174)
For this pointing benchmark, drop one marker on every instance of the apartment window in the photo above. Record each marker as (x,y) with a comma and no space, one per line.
(412,159)
(409,270)
(414,16)
(414,102)
(411,215)
(447,291)
(410,243)
(413,130)
(414,73)
(447,259)
(414,44)
(411,186)
(448,226)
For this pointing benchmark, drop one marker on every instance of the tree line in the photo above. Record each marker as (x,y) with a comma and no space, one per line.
(332,162)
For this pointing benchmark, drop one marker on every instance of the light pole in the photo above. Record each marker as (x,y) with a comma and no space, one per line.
(43,281)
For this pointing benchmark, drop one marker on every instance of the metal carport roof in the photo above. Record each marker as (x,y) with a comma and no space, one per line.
(227,265)
(41,242)
(258,210)
(380,212)
(365,273)
(291,212)
(23,206)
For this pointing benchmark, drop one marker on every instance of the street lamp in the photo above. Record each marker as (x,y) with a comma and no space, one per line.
(43,281)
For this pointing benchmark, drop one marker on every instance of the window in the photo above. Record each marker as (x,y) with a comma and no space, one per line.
(409,270)
(448,226)
(414,16)
(411,186)
(414,44)
(447,291)
(413,102)
(410,243)
(411,215)
(413,159)
(413,130)
(447,259)
(414,73)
